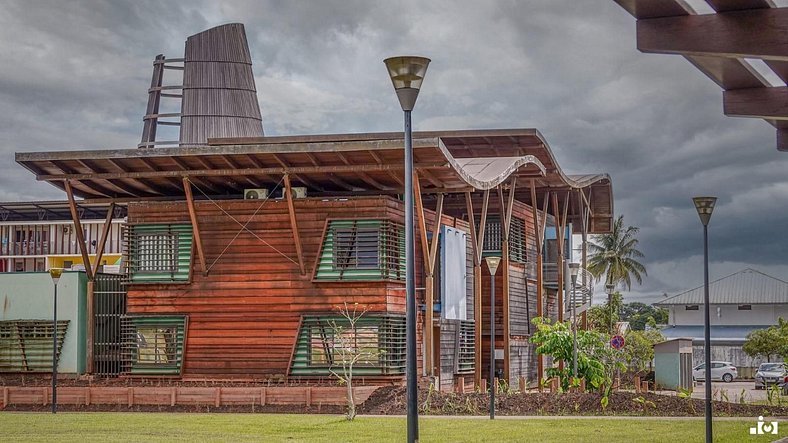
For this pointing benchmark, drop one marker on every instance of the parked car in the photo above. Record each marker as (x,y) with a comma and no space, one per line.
(720,370)
(770,373)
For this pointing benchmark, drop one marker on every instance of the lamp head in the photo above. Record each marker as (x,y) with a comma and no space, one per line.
(407,73)
(55,273)
(492,264)
(609,288)
(574,268)
(704,206)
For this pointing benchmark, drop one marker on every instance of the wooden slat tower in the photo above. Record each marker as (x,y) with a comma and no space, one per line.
(218,94)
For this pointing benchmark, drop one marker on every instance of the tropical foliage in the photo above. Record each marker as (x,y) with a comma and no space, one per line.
(615,256)
(596,362)
(768,342)
(639,349)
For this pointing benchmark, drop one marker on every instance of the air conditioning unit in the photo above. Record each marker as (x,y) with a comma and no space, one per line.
(298,192)
(255,194)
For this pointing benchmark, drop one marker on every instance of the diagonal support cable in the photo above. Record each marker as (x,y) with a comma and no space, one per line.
(243,225)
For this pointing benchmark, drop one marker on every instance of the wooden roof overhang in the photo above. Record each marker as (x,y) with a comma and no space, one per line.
(719,45)
(329,165)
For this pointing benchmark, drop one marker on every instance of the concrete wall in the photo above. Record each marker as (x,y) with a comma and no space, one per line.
(28,296)
(728,315)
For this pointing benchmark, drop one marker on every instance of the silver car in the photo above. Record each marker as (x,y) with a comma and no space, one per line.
(720,370)
(770,374)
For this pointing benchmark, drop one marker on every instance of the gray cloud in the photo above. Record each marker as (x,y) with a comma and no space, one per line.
(75,76)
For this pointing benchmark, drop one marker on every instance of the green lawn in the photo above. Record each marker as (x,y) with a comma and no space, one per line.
(166,427)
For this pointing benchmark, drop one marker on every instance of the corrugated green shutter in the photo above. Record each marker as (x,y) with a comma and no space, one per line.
(171,250)
(390,342)
(26,345)
(165,356)
(391,253)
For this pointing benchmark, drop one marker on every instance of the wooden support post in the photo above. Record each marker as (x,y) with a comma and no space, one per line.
(45,395)
(130,395)
(477,314)
(294,224)
(506,219)
(308,396)
(87,396)
(187,188)
(478,277)
(539,240)
(521,384)
(262,396)
(6,396)
(637,385)
(91,323)
(104,234)
(83,247)
(217,397)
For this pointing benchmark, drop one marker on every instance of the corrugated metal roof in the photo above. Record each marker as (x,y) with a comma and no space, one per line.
(744,287)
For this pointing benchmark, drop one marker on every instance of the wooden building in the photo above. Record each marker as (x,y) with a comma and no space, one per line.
(240,249)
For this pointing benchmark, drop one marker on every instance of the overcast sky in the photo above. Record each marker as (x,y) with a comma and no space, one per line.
(74,76)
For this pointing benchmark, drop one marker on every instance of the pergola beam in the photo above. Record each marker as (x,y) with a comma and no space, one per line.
(83,248)
(237,172)
(187,189)
(294,224)
(766,103)
(757,33)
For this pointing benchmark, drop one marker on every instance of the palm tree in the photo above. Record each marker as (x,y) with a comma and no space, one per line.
(615,254)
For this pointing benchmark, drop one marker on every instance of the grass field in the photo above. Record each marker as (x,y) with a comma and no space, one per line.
(166,427)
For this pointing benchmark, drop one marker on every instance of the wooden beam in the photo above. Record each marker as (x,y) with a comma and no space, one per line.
(430,288)
(782,140)
(559,236)
(104,233)
(294,224)
(237,172)
(422,223)
(539,274)
(758,33)
(435,229)
(72,205)
(738,5)
(187,188)
(766,103)
(477,285)
(655,8)
(506,218)
(482,223)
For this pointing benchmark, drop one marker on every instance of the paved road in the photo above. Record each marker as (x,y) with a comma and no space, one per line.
(733,390)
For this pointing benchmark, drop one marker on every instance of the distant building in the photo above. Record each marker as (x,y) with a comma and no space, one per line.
(740,303)
(37,236)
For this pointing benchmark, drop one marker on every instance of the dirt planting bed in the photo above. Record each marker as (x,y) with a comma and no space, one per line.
(391,401)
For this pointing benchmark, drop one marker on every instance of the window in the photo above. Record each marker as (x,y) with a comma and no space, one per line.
(159,253)
(465,348)
(493,238)
(691,307)
(745,307)
(324,341)
(362,250)
(154,344)
(330,344)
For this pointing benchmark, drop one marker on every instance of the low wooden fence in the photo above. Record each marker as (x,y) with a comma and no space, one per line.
(184,396)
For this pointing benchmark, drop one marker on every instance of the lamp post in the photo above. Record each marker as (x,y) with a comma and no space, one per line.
(55,273)
(705,206)
(492,265)
(609,291)
(406,74)
(573,269)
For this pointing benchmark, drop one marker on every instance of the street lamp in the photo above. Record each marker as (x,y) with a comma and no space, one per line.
(609,291)
(573,269)
(705,206)
(406,74)
(492,265)
(55,273)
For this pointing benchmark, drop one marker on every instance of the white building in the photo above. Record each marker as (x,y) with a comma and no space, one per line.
(740,303)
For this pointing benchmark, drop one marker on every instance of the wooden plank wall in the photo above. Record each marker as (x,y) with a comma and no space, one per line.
(244,315)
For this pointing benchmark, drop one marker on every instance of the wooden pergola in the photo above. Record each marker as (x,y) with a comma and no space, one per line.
(719,45)
(463,166)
